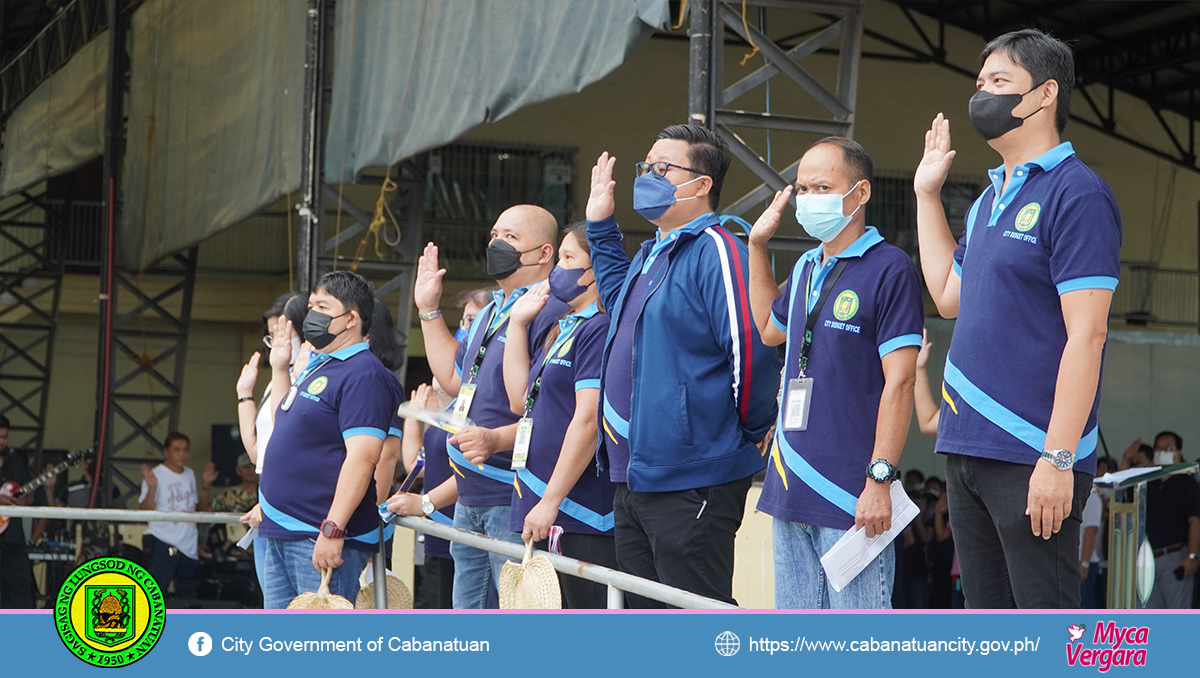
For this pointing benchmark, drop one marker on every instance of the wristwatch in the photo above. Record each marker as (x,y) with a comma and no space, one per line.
(432,315)
(330,530)
(1194,556)
(1063,460)
(882,471)
(427,506)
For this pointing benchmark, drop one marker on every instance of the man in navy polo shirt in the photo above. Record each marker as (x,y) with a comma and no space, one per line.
(848,393)
(317,492)
(520,254)
(1030,282)
(687,390)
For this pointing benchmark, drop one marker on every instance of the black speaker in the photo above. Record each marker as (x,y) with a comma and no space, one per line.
(226,446)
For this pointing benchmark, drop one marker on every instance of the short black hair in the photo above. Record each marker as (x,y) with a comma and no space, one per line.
(914,472)
(859,165)
(354,291)
(383,338)
(173,436)
(4,423)
(1045,57)
(708,154)
(292,305)
(1178,439)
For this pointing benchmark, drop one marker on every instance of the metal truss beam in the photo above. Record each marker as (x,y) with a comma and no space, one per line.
(72,28)
(31,271)
(709,99)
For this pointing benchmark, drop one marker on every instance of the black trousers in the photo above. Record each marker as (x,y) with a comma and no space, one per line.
(439,583)
(16,576)
(597,549)
(683,539)
(165,567)
(1003,564)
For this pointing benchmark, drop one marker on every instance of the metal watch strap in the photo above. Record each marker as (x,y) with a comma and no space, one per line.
(432,315)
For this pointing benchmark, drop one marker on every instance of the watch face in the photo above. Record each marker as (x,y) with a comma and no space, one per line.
(879,471)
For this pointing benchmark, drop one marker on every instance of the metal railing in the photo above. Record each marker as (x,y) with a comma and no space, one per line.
(618,583)
(1149,295)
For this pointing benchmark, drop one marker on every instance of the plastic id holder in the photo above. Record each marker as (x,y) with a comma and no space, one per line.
(462,406)
(798,400)
(521,446)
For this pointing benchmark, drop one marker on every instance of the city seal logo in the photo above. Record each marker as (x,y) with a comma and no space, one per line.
(317,385)
(846,305)
(110,612)
(562,352)
(1028,216)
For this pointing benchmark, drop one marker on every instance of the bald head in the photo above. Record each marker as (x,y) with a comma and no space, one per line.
(533,232)
(532,220)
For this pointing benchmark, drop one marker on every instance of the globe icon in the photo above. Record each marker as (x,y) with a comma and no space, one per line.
(728,644)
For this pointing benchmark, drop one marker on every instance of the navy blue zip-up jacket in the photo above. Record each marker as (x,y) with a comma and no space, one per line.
(704,385)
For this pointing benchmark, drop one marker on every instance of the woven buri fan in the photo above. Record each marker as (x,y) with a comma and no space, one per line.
(531,585)
(322,599)
(398,595)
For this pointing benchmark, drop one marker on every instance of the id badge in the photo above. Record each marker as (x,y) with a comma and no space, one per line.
(465,395)
(799,397)
(521,446)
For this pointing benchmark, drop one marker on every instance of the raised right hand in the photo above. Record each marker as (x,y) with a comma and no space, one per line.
(530,304)
(148,475)
(248,377)
(281,344)
(427,291)
(600,201)
(768,223)
(935,164)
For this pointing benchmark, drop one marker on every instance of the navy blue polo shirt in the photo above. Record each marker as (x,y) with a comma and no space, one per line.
(340,395)
(1055,229)
(573,365)
(491,483)
(437,471)
(618,380)
(875,307)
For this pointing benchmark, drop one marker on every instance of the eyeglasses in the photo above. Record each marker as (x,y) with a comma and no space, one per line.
(465,323)
(661,167)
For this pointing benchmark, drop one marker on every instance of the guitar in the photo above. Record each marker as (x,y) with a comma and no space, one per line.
(11,489)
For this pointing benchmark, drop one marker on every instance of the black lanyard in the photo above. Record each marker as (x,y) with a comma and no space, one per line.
(811,322)
(488,333)
(537,380)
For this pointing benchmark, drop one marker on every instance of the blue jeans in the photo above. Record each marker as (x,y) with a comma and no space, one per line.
(288,571)
(800,582)
(477,572)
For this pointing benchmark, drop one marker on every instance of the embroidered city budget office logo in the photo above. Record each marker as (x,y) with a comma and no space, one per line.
(562,352)
(317,385)
(846,305)
(1028,216)
(110,612)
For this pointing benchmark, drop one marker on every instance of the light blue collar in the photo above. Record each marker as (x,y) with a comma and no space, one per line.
(566,323)
(503,306)
(348,351)
(1046,161)
(865,242)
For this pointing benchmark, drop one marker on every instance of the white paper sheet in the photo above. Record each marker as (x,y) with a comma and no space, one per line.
(854,551)
(245,542)
(1118,476)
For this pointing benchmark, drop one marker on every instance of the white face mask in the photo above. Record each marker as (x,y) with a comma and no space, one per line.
(1164,458)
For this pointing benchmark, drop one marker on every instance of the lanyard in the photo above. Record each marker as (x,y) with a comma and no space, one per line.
(537,380)
(308,371)
(811,320)
(488,332)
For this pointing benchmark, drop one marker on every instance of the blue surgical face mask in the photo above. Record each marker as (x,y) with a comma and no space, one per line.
(653,194)
(460,335)
(564,283)
(821,214)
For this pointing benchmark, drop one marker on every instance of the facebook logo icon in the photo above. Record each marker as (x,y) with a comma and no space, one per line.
(200,643)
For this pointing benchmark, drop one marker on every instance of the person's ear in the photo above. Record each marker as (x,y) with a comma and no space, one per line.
(1049,93)
(546,254)
(704,186)
(354,320)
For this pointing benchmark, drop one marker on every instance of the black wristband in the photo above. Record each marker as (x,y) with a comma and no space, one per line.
(247,399)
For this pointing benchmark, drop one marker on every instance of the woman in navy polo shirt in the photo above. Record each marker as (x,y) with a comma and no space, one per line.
(557,393)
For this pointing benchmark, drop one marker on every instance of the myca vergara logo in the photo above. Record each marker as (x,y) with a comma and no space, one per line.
(110,612)
(317,385)
(1028,216)
(846,305)
(1111,646)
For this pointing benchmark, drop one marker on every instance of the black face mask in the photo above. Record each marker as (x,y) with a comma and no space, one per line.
(316,328)
(991,114)
(503,259)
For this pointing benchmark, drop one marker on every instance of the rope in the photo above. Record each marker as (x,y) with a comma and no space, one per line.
(750,40)
(383,214)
